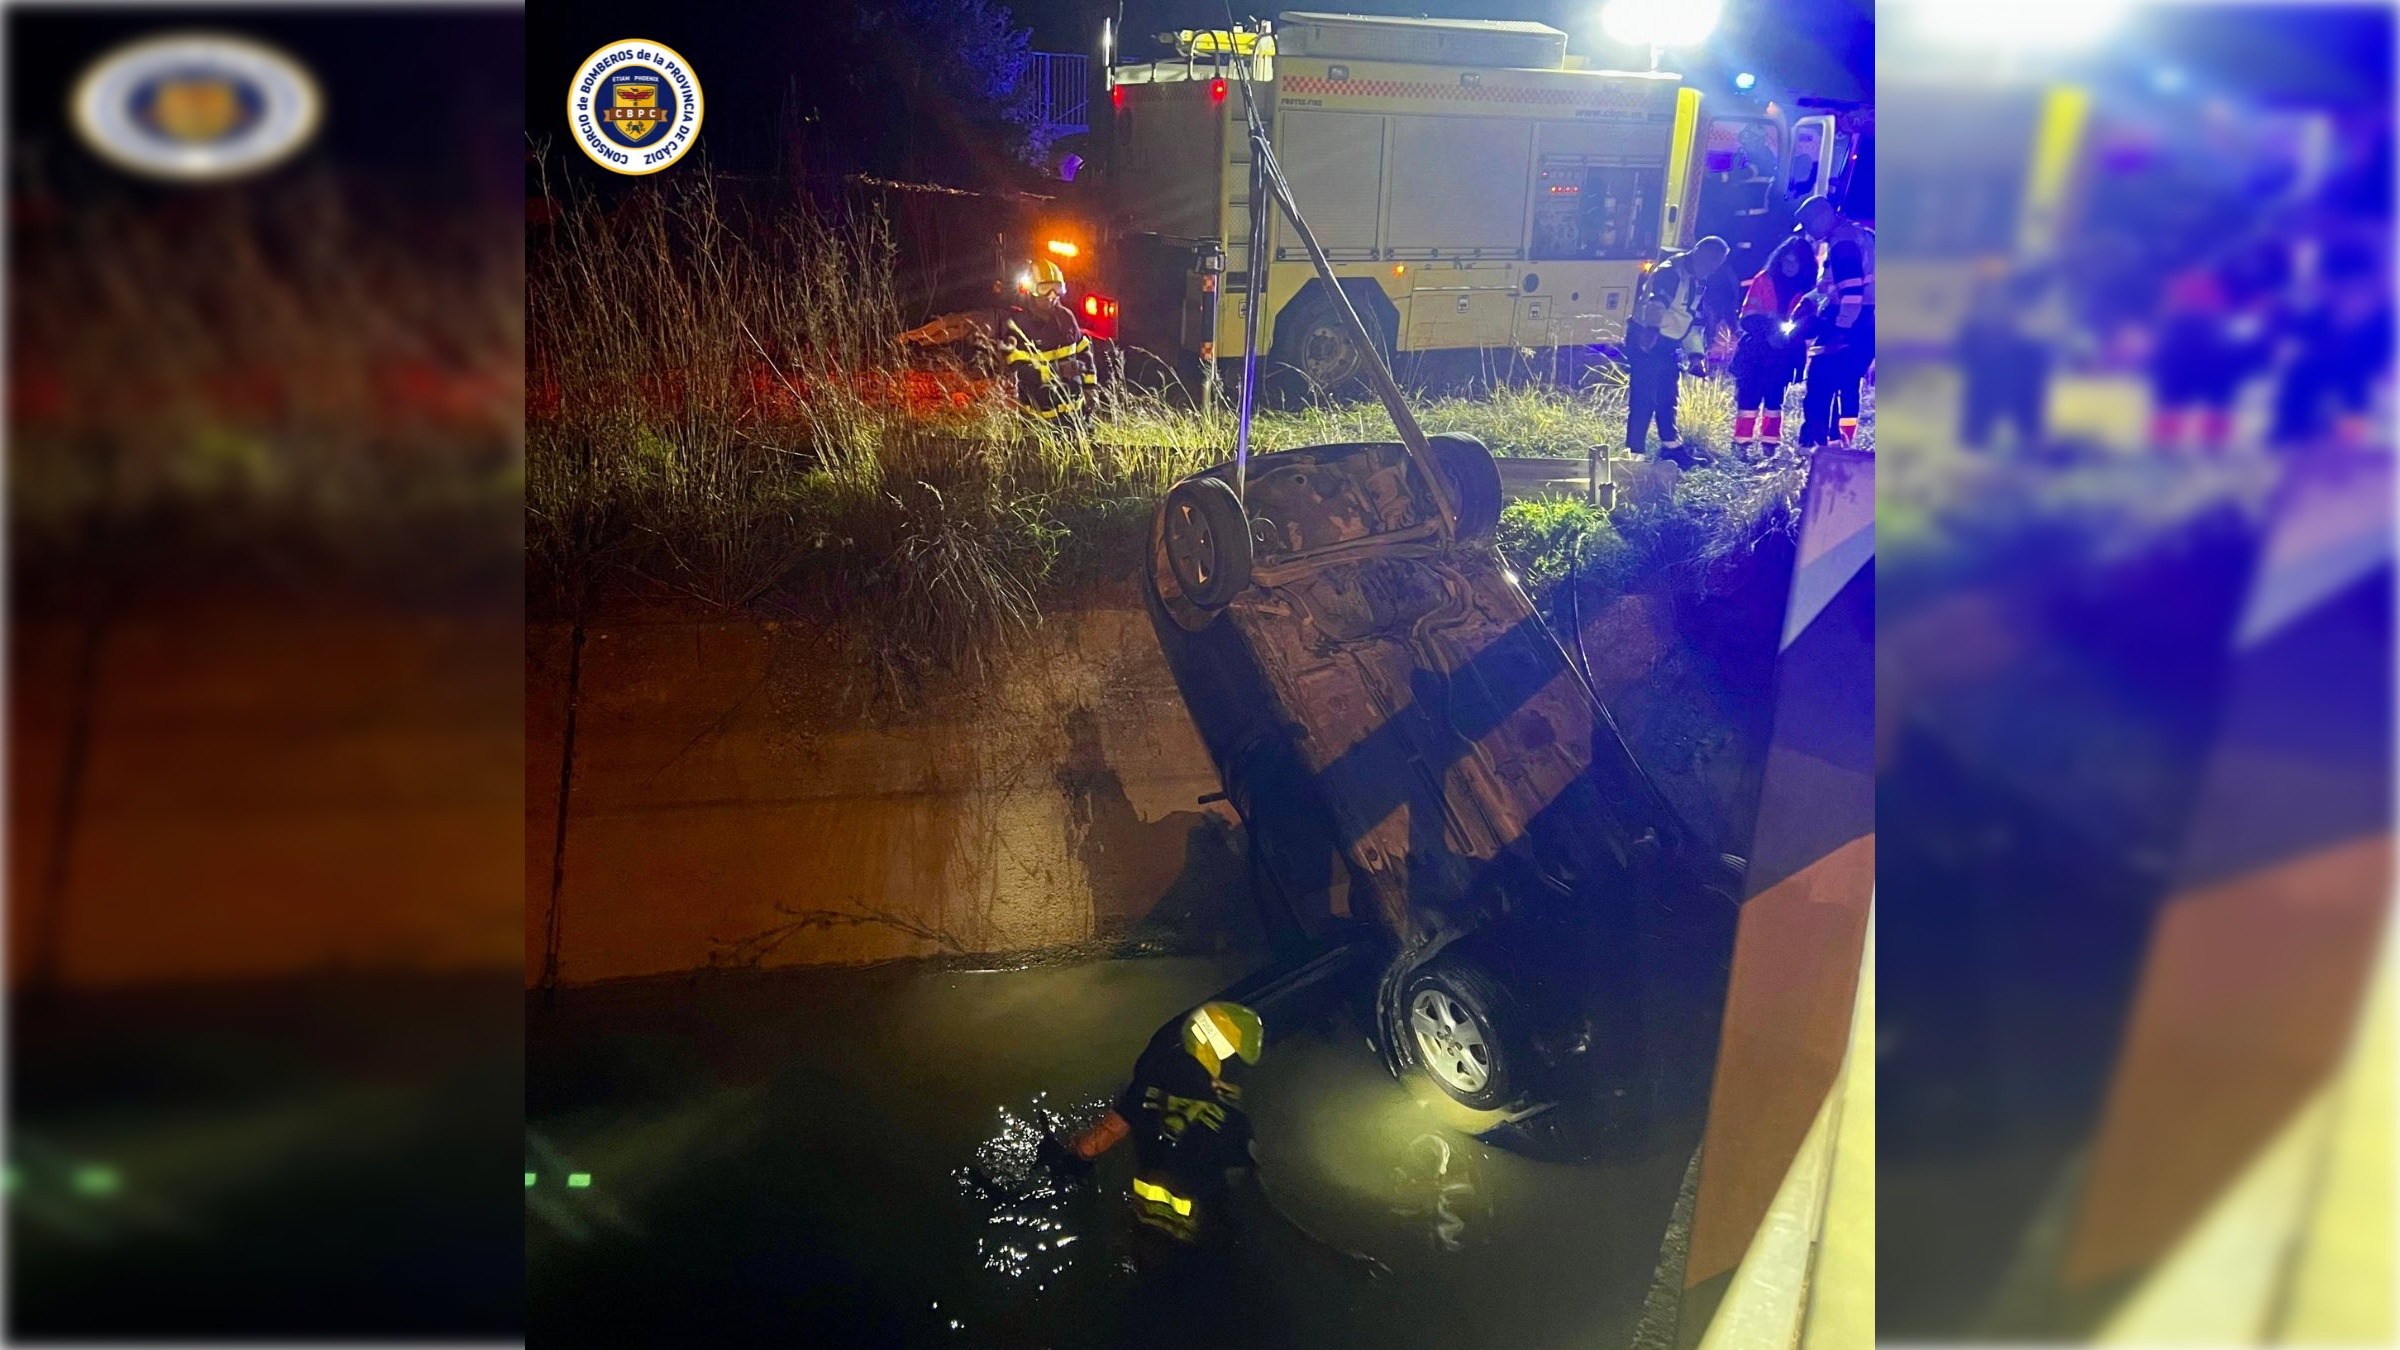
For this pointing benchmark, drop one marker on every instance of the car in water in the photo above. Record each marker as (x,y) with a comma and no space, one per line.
(1421,770)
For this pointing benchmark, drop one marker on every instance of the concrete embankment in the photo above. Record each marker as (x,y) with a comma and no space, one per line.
(742,796)
(252,793)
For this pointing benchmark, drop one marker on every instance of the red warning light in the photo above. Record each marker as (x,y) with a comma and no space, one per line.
(1091,305)
(1216,91)
(1116,96)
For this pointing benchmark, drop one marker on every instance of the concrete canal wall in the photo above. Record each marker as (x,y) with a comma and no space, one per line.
(742,797)
(259,793)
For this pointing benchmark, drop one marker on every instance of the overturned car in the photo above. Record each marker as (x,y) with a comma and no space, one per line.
(1421,770)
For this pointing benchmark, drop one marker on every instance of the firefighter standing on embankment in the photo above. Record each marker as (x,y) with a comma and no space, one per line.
(1769,355)
(1843,342)
(1047,351)
(1667,339)
(2340,328)
(2195,365)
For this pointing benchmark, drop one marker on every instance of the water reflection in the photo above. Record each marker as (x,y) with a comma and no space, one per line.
(1025,1234)
(1434,1185)
(886,1188)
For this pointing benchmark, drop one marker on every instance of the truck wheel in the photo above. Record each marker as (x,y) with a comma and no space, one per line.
(1474,478)
(1312,339)
(1208,542)
(1462,1030)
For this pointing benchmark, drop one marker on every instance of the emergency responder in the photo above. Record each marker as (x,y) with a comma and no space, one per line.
(1184,1110)
(2195,364)
(2005,347)
(1767,359)
(1668,338)
(1046,347)
(2341,332)
(1843,345)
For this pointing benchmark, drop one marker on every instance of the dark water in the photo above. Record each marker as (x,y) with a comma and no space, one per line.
(844,1158)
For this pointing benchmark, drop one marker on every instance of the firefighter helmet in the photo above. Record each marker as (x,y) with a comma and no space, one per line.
(1217,1032)
(1046,277)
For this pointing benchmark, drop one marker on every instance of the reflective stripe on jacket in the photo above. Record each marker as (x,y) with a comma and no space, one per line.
(1050,380)
(1850,271)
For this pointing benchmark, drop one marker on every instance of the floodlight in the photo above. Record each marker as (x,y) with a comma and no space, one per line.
(1661,23)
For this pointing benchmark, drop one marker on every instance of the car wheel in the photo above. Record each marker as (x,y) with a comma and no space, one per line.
(1462,1031)
(1474,479)
(1207,542)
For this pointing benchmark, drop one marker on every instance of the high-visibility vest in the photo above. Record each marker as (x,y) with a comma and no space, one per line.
(1760,298)
(1851,295)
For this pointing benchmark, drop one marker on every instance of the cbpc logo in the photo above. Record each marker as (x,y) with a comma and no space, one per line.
(635,106)
(196,106)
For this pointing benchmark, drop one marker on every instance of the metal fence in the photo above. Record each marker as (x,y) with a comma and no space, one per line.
(1065,100)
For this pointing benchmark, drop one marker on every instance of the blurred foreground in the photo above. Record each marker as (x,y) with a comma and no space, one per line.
(2135,676)
(265,745)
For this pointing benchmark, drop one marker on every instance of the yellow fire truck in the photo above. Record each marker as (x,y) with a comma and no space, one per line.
(2000,171)
(1474,184)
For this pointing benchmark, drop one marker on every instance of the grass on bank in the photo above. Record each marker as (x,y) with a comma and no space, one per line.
(719,414)
(288,374)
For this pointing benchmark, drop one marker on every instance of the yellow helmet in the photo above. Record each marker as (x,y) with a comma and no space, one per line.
(1046,277)
(1217,1032)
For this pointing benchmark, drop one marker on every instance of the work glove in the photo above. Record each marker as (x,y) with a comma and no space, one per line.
(1054,1157)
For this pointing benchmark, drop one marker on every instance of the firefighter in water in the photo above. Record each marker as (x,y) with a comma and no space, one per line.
(1668,338)
(1184,1112)
(1769,356)
(1047,351)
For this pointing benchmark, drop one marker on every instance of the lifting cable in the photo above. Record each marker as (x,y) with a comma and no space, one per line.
(1263,170)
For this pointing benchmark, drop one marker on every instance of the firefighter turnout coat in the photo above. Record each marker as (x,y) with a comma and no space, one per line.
(1050,357)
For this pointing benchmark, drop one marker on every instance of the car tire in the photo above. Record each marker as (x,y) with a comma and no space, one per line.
(1207,539)
(1474,480)
(1462,1028)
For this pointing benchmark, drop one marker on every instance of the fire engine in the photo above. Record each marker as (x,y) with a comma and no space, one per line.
(1475,185)
(2112,190)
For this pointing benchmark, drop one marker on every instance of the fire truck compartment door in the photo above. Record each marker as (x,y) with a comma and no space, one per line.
(1590,314)
(1334,162)
(1533,320)
(1466,305)
(1458,187)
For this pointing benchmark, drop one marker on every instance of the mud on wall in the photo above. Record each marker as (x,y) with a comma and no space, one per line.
(740,798)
